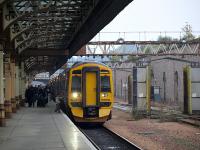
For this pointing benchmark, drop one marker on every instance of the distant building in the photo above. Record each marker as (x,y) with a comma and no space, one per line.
(167,74)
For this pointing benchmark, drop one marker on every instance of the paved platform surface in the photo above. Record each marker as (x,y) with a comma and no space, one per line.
(41,129)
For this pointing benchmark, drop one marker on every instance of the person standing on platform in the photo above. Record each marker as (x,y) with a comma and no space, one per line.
(34,98)
(41,96)
(46,92)
(29,95)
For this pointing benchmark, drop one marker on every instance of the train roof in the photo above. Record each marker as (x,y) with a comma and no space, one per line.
(87,62)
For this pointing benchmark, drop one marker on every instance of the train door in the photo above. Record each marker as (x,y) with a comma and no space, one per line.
(91,88)
(91,91)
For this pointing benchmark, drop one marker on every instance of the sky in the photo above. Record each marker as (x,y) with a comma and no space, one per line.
(157,15)
(153,15)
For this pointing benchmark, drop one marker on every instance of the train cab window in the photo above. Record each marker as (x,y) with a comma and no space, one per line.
(105,71)
(76,83)
(105,84)
(76,72)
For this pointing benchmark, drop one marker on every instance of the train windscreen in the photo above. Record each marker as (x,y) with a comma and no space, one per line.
(76,83)
(105,84)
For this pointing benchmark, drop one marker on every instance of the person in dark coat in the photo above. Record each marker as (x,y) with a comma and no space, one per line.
(34,98)
(41,98)
(29,96)
(46,92)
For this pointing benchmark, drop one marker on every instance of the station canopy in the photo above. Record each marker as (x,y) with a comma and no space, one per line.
(45,33)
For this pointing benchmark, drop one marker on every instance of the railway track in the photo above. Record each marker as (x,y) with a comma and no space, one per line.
(104,139)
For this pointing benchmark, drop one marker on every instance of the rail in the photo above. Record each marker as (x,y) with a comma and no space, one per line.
(104,138)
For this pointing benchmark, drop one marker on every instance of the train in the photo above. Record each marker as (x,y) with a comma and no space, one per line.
(87,90)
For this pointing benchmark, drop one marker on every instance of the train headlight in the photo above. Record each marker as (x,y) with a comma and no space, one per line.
(74,95)
(104,94)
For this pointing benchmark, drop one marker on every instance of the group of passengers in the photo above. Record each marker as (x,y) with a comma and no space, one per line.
(39,95)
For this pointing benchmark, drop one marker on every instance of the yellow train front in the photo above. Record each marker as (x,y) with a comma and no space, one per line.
(90,92)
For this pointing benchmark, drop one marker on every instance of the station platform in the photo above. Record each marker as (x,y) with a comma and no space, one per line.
(42,129)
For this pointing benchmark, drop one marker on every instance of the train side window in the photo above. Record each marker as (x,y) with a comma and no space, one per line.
(105,84)
(76,83)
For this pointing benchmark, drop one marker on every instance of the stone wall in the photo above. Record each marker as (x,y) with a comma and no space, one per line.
(171,84)
(120,76)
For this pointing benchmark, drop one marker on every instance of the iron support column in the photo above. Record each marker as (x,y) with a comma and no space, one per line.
(8,93)
(13,100)
(2,109)
(20,86)
(23,84)
(17,85)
